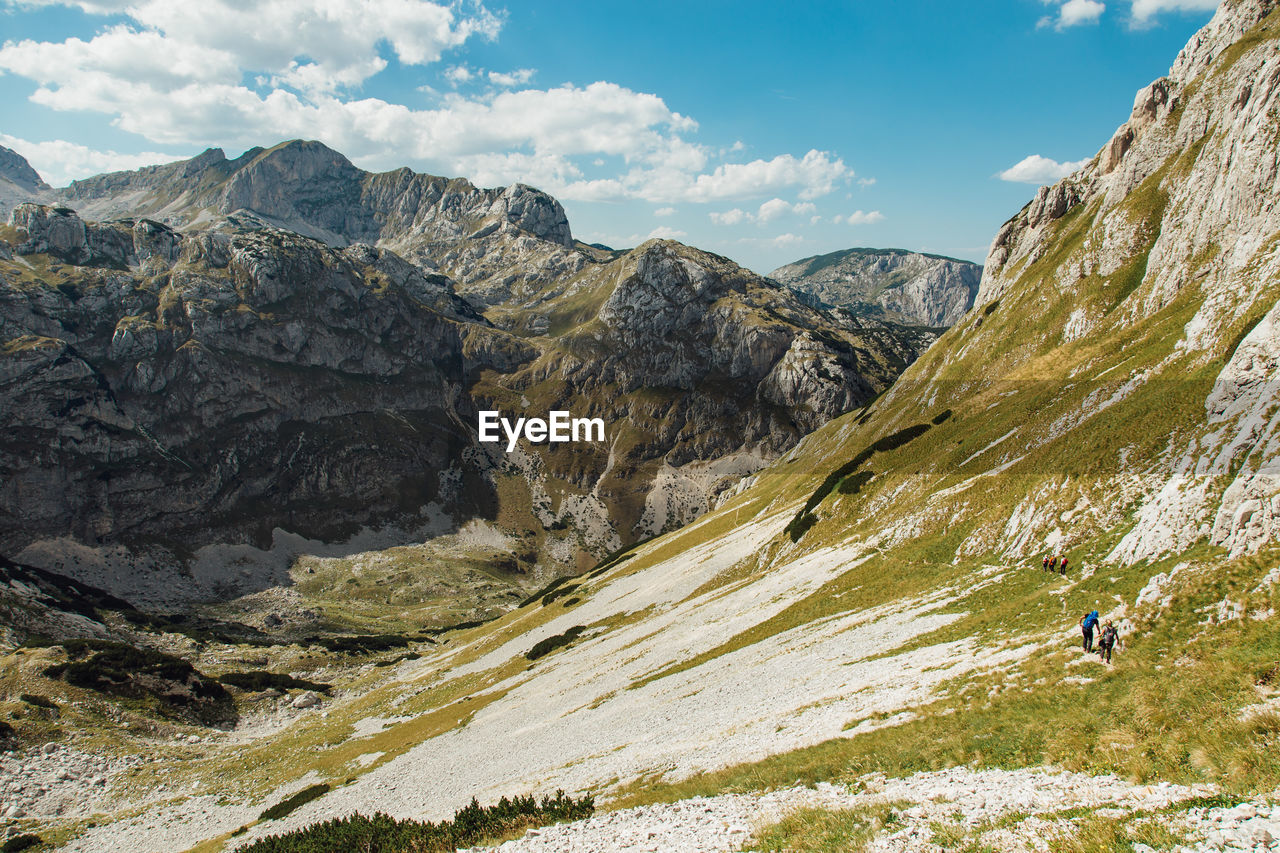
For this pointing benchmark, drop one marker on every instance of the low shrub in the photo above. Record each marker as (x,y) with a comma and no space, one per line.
(261,679)
(6,731)
(169,684)
(853,484)
(550,644)
(363,644)
(39,701)
(546,590)
(285,807)
(800,525)
(471,824)
(559,593)
(942,417)
(21,842)
(804,519)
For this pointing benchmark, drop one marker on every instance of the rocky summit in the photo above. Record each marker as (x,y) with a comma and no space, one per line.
(888,284)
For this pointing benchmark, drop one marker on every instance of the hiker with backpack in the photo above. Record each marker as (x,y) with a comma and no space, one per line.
(1107,642)
(1062,567)
(1044,564)
(1087,623)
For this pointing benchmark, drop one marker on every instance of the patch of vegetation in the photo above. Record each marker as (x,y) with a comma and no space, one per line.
(6,731)
(261,679)
(21,842)
(990,309)
(941,417)
(546,590)
(558,593)
(39,701)
(163,683)
(804,519)
(853,484)
(457,626)
(550,644)
(297,801)
(1097,834)
(800,525)
(363,644)
(824,831)
(471,825)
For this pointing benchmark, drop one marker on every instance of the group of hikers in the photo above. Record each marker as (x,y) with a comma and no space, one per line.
(1055,564)
(1088,622)
(1106,640)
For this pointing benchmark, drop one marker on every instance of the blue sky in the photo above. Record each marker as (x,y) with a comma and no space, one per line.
(762,131)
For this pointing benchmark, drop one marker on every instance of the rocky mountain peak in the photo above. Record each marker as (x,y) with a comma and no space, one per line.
(887,284)
(15,169)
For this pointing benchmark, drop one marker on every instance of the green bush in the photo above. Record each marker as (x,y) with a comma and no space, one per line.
(285,807)
(853,484)
(39,701)
(170,684)
(804,519)
(550,644)
(558,593)
(363,644)
(546,590)
(261,679)
(21,842)
(470,825)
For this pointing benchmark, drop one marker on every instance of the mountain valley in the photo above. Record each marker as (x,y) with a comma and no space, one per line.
(800,601)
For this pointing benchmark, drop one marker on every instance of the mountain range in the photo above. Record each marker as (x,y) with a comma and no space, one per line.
(860,640)
(299,349)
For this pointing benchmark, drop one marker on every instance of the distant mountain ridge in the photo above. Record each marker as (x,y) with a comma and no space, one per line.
(295,346)
(896,285)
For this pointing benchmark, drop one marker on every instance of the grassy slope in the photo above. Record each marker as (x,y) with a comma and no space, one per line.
(1032,437)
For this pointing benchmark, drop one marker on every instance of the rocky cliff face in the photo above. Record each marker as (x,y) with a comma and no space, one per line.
(18,181)
(888,284)
(1113,390)
(187,410)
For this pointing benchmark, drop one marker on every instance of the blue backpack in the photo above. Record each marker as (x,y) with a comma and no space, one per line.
(1091,620)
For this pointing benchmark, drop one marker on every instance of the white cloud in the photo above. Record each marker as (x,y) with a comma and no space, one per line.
(804,207)
(177,75)
(458,74)
(511,78)
(866,182)
(772,209)
(859,217)
(662,232)
(1039,170)
(730,217)
(665,211)
(787,240)
(61,162)
(1143,11)
(1073,13)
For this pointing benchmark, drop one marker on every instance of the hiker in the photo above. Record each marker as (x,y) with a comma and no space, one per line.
(1044,564)
(1107,642)
(1087,623)
(1053,563)
(1062,567)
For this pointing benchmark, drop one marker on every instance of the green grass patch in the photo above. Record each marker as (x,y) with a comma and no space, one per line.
(823,831)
